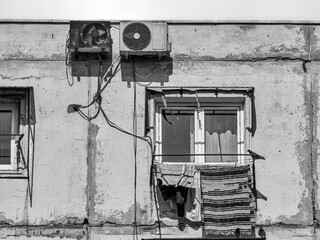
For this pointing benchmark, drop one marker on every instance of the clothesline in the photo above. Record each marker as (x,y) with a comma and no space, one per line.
(202,154)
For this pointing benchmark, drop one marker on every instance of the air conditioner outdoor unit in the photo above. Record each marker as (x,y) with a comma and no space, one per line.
(90,36)
(144,38)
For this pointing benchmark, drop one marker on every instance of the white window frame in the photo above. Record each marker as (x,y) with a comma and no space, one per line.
(14,108)
(199,135)
(240,98)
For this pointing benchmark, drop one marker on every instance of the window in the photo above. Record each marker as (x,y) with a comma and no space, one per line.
(201,136)
(17,121)
(201,126)
(191,132)
(8,133)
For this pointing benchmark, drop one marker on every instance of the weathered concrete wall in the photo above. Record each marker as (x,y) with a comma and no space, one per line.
(60,166)
(86,170)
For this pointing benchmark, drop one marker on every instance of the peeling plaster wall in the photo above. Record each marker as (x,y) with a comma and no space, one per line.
(59,195)
(84,172)
(60,166)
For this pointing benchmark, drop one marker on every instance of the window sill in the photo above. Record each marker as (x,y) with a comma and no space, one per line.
(208,238)
(235,164)
(14,174)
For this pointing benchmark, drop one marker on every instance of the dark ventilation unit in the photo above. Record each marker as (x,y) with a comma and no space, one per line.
(90,36)
(89,48)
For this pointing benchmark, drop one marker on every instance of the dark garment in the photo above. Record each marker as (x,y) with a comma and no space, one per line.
(180,194)
(168,192)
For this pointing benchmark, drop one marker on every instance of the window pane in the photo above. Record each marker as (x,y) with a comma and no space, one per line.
(221,135)
(5,141)
(177,134)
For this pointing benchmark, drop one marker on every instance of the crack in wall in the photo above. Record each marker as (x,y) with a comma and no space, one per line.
(71,231)
(20,78)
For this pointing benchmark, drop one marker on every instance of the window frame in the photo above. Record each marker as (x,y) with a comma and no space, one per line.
(14,108)
(199,135)
(242,98)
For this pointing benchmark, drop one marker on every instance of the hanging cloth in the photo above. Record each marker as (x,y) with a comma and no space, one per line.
(179,190)
(227,201)
(193,202)
(176,175)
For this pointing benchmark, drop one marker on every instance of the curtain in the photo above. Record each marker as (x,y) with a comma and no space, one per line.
(5,138)
(221,137)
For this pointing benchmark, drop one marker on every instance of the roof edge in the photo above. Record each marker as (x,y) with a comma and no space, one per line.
(173,22)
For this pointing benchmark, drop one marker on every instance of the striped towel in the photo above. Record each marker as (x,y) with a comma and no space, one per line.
(227,201)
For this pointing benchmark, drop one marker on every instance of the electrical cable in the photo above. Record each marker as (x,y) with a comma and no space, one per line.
(153,183)
(109,80)
(98,99)
(113,125)
(110,67)
(144,85)
(115,27)
(140,76)
(134,127)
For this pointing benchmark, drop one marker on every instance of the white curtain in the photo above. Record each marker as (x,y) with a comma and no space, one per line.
(221,137)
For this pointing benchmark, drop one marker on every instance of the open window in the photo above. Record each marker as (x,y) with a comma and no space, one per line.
(17,121)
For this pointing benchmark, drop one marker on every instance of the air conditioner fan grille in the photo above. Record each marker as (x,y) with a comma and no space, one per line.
(136,36)
(94,34)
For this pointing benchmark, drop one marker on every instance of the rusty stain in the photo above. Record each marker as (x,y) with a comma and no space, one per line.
(307,38)
(303,147)
(128,216)
(315,96)
(91,170)
(298,69)
(314,43)
(289,26)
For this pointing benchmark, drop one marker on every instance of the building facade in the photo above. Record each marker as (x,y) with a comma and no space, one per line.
(68,177)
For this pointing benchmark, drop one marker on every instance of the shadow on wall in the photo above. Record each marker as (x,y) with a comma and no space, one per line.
(146,69)
(90,64)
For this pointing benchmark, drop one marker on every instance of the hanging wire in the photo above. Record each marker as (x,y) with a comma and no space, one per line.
(153,183)
(104,76)
(115,27)
(68,61)
(113,125)
(98,99)
(134,127)
(140,76)
(144,85)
